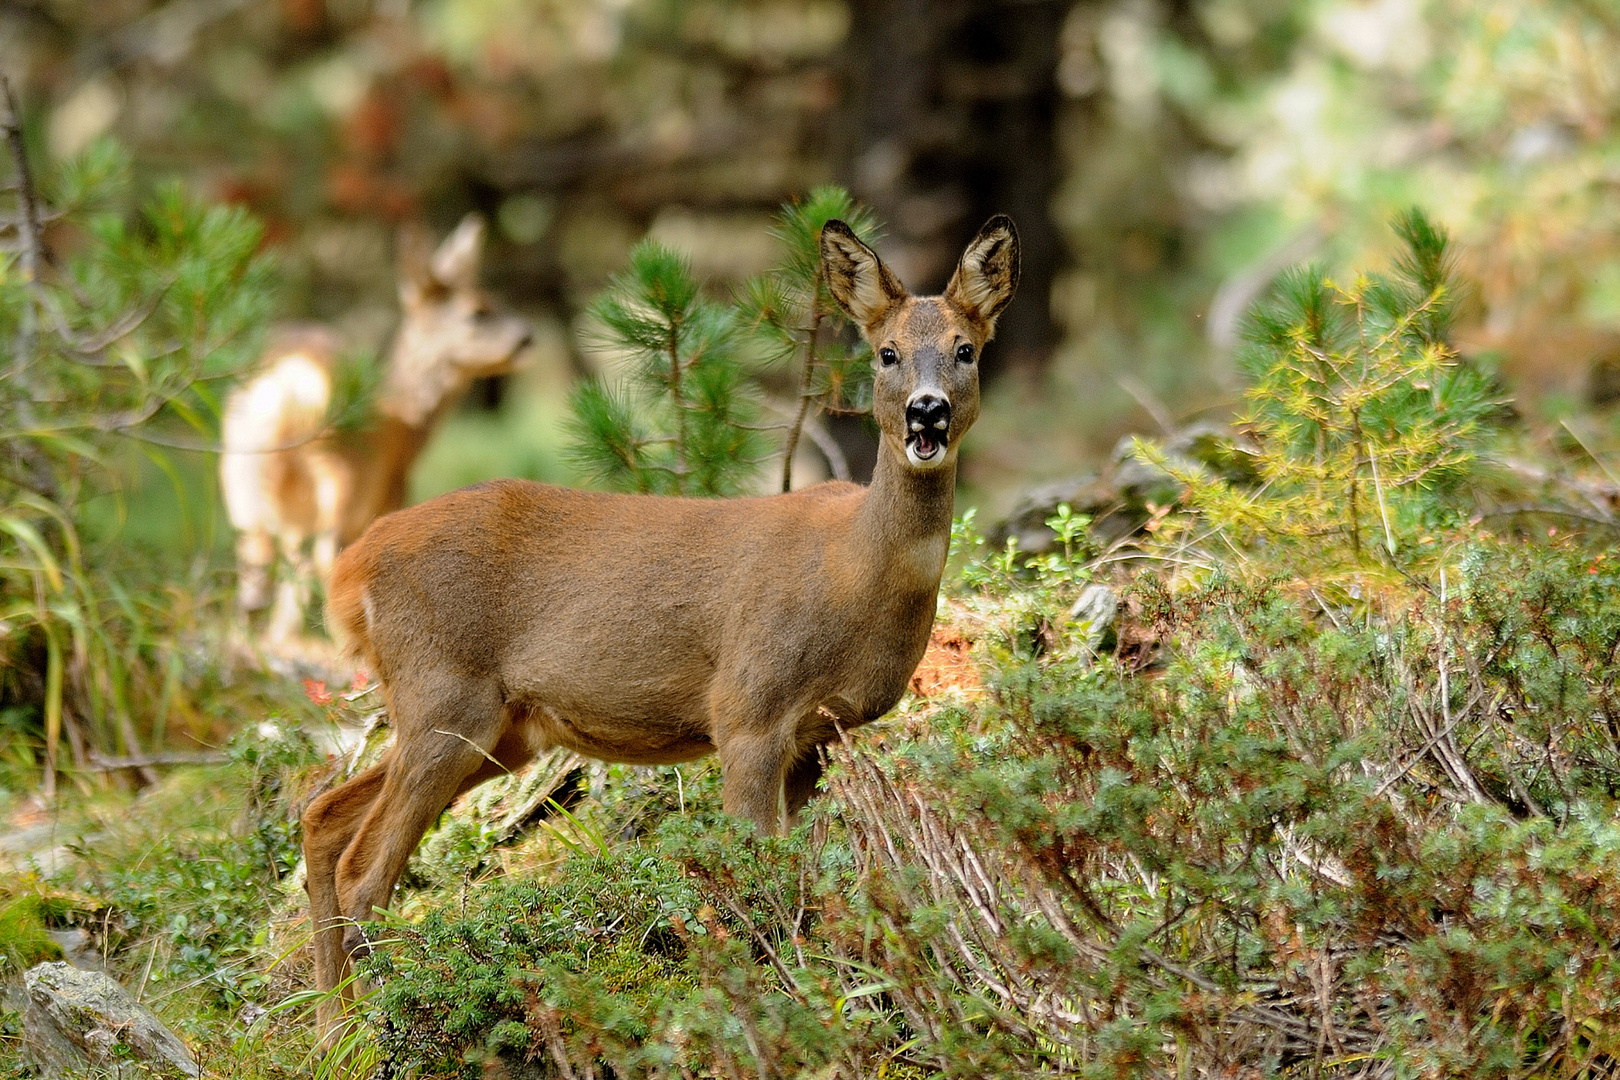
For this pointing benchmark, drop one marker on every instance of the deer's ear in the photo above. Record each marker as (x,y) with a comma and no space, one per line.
(856,277)
(414,252)
(455,264)
(987,275)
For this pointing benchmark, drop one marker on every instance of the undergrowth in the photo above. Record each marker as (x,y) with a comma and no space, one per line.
(173,891)
(1378,844)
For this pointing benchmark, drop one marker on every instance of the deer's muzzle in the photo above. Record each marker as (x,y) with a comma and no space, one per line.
(928,425)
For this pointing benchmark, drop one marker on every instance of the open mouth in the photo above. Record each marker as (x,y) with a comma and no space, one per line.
(924,446)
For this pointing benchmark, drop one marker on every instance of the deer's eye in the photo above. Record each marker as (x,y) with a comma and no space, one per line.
(964,354)
(888,356)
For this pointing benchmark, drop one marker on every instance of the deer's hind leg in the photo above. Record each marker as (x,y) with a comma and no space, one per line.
(292,590)
(799,782)
(330,823)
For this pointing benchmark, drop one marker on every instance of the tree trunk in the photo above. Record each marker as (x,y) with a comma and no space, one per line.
(951,109)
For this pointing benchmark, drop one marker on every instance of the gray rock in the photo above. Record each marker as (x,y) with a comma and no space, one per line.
(1118,500)
(1096,608)
(82,1020)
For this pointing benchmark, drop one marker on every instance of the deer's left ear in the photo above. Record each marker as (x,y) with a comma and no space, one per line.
(987,275)
(455,264)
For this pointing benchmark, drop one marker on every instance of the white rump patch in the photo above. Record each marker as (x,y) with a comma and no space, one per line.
(282,406)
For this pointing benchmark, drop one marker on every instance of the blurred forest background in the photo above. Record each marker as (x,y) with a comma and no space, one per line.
(1164,160)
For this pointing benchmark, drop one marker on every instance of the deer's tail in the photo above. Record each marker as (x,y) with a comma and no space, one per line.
(348,607)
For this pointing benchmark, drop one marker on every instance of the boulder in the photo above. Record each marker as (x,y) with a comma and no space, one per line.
(1119,500)
(79,1021)
(1097,609)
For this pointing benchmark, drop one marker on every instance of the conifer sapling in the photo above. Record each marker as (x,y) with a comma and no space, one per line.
(682,422)
(792,315)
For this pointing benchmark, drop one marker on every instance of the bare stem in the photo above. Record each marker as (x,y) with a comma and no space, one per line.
(1355,470)
(673,347)
(32,254)
(804,384)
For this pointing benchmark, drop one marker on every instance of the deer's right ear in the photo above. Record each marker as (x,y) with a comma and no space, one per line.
(856,277)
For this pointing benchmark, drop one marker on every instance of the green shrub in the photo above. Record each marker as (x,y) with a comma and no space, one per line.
(1365,421)
(188,884)
(686,418)
(682,423)
(586,962)
(792,314)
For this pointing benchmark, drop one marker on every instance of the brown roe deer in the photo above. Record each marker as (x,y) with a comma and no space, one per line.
(512,617)
(289,480)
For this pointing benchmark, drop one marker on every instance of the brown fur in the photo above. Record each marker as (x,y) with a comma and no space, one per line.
(512,617)
(289,480)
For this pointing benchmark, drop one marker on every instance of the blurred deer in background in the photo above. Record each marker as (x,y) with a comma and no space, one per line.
(512,617)
(290,480)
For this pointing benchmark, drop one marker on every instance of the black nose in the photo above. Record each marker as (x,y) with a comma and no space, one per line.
(928,413)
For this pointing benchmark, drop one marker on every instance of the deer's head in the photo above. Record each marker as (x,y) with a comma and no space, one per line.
(451,332)
(925,387)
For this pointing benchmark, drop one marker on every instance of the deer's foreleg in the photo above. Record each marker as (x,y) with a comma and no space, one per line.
(255,552)
(751,778)
(434,758)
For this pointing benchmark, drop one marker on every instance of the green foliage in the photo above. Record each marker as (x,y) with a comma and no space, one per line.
(585,961)
(118,343)
(684,421)
(791,313)
(24,941)
(1366,423)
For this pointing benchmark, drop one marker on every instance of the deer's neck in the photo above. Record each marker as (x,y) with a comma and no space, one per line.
(419,383)
(903,527)
(409,405)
